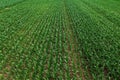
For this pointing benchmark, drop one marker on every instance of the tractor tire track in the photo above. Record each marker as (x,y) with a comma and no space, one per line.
(72,53)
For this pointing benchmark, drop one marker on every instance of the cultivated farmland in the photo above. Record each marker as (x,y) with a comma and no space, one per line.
(59,40)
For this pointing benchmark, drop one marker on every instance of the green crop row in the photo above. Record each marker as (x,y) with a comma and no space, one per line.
(98,39)
(59,40)
(8,3)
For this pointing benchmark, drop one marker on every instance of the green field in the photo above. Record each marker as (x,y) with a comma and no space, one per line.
(59,39)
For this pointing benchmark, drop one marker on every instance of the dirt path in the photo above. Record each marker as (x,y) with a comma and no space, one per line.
(74,61)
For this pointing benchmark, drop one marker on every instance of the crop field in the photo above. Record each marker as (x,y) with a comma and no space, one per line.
(59,39)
